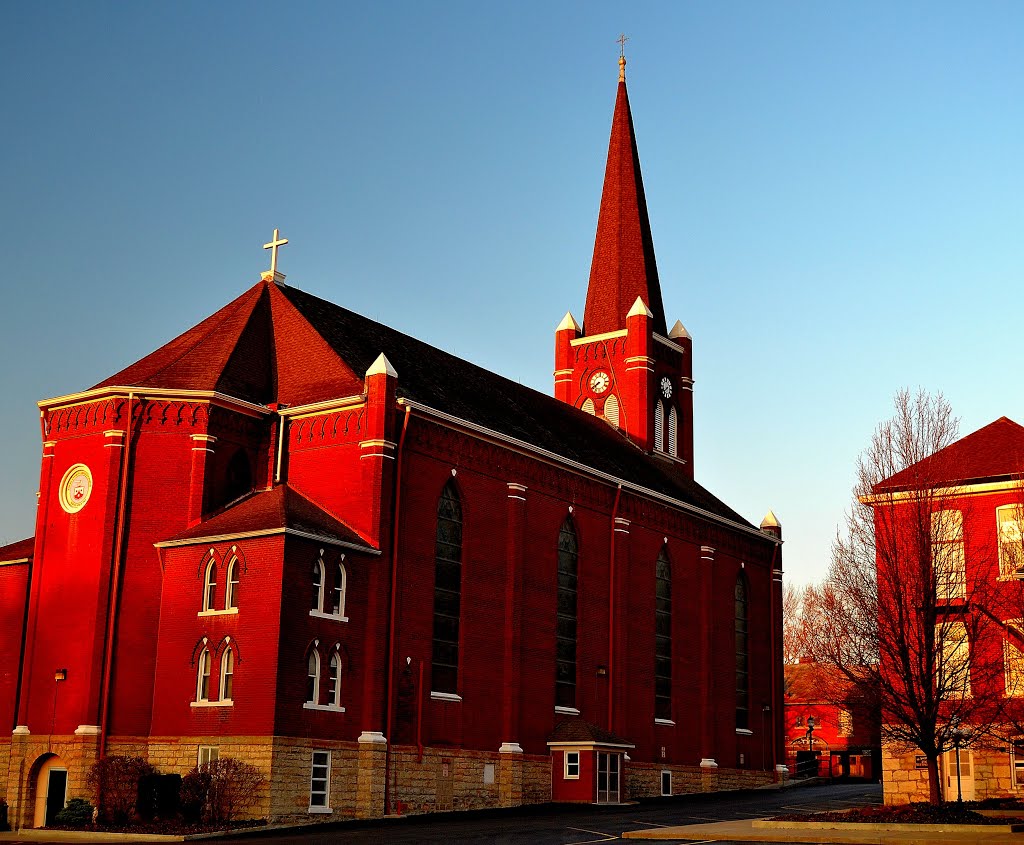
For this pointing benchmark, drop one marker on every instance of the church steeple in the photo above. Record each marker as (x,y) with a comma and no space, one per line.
(623,266)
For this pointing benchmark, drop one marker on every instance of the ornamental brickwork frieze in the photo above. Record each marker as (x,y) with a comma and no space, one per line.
(85,419)
(158,413)
(600,350)
(333,427)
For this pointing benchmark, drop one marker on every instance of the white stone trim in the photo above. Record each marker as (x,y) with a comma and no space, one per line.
(319,614)
(213,397)
(222,703)
(372,737)
(87,730)
(744,732)
(579,341)
(267,532)
(708,763)
(231,611)
(21,730)
(567,711)
(445,696)
(510,748)
(331,708)
(667,722)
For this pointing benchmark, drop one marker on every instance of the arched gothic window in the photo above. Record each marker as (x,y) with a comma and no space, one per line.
(334,676)
(671,432)
(659,426)
(565,623)
(611,410)
(313,677)
(663,637)
(338,594)
(742,653)
(444,675)
(227,674)
(231,596)
(318,585)
(210,586)
(203,676)
(588,406)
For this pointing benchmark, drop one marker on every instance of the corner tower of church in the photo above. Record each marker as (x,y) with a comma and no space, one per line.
(623,365)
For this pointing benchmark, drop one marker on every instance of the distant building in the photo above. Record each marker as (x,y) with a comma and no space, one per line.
(393,580)
(830,730)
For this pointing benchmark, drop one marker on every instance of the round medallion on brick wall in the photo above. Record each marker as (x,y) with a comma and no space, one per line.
(75,488)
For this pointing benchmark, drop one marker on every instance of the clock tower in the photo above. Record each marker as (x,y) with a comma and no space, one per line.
(622,364)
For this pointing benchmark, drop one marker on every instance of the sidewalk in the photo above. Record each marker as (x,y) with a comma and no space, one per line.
(744,831)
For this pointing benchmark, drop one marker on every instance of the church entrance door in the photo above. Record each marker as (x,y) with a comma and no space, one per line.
(51,790)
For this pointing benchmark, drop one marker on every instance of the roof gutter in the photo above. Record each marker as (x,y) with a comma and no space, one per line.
(583,469)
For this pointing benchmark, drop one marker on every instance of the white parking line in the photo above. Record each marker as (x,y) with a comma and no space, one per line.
(607,836)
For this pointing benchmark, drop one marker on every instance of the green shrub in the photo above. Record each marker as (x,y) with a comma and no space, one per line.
(76,813)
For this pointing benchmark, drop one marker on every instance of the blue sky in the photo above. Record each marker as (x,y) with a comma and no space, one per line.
(835,191)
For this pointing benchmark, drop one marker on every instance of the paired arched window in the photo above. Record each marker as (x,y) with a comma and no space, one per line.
(742,652)
(338,594)
(313,678)
(666,428)
(227,674)
(203,679)
(663,637)
(565,622)
(210,586)
(231,597)
(447,592)
(318,585)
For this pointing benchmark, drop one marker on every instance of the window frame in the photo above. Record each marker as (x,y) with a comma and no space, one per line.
(227,676)
(948,557)
(334,679)
(741,627)
(568,555)
(1007,571)
(231,585)
(446,631)
(339,593)
(319,577)
(313,695)
(203,676)
(666,773)
(663,642)
(659,426)
(571,763)
(212,754)
(1009,659)
(325,779)
(210,586)
(1017,762)
(672,431)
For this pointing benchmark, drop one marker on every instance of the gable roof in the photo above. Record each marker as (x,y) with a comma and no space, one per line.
(995,451)
(21,550)
(623,267)
(280,508)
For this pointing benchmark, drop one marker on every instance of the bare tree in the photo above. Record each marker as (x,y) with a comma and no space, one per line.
(900,610)
(792,620)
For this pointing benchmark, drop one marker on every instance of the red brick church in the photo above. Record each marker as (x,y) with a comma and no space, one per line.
(393,580)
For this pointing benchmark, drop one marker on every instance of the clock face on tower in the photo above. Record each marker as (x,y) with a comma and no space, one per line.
(599,381)
(666,387)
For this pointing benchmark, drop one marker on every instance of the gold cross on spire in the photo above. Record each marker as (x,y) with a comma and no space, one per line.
(621,41)
(278,241)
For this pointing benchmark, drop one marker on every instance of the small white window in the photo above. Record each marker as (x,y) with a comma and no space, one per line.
(203,681)
(1017,762)
(572,765)
(227,674)
(659,426)
(210,586)
(611,410)
(231,596)
(313,678)
(588,406)
(207,754)
(1009,520)
(340,584)
(334,691)
(488,772)
(673,421)
(318,585)
(666,782)
(320,783)
(1013,665)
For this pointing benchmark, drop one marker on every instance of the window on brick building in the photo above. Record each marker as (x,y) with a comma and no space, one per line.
(334,678)
(659,426)
(227,674)
(671,432)
(1017,762)
(207,754)
(742,627)
(953,650)
(611,410)
(203,676)
(663,637)
(444,674)
(210,586)
(320,782)
(1013,662)
(231,597)
(947,534)
(565,622)
(666,782)
(1009,520)
(317,596)
(338,594)
(313,677)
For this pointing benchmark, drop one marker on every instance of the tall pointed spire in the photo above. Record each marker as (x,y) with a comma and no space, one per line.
(623,267)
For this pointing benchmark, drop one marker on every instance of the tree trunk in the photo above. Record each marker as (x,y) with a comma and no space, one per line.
(934,796)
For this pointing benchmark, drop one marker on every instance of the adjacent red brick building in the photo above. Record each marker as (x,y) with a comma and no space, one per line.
(394,580)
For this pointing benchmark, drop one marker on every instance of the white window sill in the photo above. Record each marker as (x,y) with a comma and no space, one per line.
(667,722)
(231,611)
(227,702)
(571,777)
(567,711)
(319,614)
(332,708)
(744,732)
(322,811)
(445,696)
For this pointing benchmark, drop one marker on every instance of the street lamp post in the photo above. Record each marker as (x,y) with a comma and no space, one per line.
(810,742)
(958,736)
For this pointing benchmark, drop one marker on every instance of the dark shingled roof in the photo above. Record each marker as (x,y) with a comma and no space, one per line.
(17,551)
(992,452)
(441,381)
(280,507)
(577,730)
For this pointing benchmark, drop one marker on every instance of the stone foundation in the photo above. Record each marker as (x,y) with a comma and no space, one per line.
(904,782)
(643,780)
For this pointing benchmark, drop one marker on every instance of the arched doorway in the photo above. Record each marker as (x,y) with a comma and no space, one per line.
(51,788)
